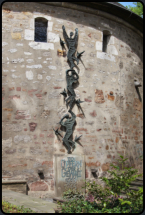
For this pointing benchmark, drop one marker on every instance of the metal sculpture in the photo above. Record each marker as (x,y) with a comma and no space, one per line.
(71,44)
(79,54)
(62,43)
(57,133)
(68,124)
(71,78)
(137,84)
(64,93)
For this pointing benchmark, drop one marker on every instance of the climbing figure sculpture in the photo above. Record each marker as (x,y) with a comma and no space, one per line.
(71,44)
(68,124)
(71,78)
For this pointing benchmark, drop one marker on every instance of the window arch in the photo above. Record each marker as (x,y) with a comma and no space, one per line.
(106,38)
(41,29)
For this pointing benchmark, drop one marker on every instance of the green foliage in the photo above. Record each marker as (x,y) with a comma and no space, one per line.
(138,9)
(121,177)
(10,208)
(77,206)
(72,194)
(107,199)
(136,198)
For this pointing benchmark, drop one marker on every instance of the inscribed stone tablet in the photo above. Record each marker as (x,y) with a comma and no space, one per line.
(69,173)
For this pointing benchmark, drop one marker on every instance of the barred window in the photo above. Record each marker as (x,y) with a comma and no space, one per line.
(41,29)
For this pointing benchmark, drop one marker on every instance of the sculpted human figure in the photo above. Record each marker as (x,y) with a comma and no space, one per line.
(71,77)
(71,44)
(68,124)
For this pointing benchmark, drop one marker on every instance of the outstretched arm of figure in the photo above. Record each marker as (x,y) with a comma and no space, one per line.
(64,32)
(73,115)
(61,121)
(76,34)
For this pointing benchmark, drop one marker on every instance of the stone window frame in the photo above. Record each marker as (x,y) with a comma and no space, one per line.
(29,33)
(112,50)
(51,37)
(105,40)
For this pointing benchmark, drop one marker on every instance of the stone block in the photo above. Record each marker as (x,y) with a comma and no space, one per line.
(119,101)
(99,46)
(69,173)
(20,114)
(99,97)
(19,138)
(93,164)
(48,163)
(29,34)
(110,97)
(111,49)
(38,186)
(105,56)
(80,115)
(105,166)
(16,36)
(41,45)
(7,142)
(32,126)
(12,127)
(15,185)
(93,114)
(10,151)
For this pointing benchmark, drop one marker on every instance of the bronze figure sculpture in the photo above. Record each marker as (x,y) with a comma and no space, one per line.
(71,78)
(68,124)
(71,44)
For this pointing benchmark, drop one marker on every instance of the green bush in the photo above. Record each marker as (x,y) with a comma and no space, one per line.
(107,199)
(72,194)
(77,206)
(121,177)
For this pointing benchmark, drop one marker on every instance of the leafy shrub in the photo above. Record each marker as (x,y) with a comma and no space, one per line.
(77,206)
(107,199)
(10,208)
(121,177)
(72,194)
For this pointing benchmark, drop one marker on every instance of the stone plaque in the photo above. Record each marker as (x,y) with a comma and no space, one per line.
(69,173)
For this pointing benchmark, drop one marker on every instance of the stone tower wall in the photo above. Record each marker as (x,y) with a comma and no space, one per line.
(33,75)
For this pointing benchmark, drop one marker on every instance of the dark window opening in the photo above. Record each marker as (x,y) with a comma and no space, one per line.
(106,37)
(105,43)
(41,175)
(40,30)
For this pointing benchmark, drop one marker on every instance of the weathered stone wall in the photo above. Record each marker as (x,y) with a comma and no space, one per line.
(33,75)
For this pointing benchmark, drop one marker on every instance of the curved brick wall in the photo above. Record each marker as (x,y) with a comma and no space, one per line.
(33,76)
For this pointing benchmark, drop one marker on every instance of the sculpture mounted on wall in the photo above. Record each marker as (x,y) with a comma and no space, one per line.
(137,84)
(62,44)
(71,44)
(68,124)
(71,78)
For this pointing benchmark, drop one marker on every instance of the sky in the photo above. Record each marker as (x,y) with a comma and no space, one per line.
(127,4)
